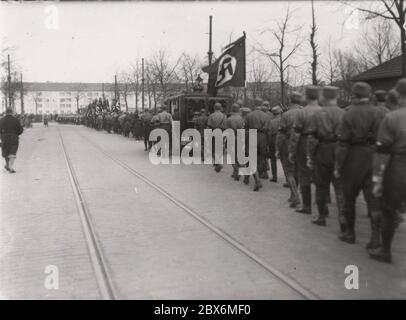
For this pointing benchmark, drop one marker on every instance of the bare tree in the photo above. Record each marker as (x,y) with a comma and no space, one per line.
(377,44)
(134,78)
(15,85)
(259,75)
(163,71)
(314,47)
(281,56)
(392,10)
(190,67)
(150,86)
(78,94)
(347,67)
(124,87)
(328,65)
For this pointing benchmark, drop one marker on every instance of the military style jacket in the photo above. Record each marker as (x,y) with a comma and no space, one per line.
(164,118)
(235,121)
(217,120)
(325,128)
(359,127)
(391,140)
(303,126)
(201,122)
(286,124)
(256,119)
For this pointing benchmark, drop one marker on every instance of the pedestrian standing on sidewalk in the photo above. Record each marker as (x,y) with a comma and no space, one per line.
(10,129)
(46,120)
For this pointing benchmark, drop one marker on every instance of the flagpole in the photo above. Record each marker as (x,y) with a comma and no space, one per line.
(210,53)
(245,74)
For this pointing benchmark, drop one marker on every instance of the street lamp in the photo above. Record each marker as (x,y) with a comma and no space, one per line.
(198,84)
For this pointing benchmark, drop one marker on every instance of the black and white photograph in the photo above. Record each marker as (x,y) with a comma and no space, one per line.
(202,151)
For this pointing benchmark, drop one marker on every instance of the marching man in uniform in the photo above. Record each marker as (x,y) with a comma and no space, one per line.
(389,172)
(357,138)
(298,145)
(285,129)
(321,152)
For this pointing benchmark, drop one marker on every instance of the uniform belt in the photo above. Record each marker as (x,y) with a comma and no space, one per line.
(328,140)
(363,143)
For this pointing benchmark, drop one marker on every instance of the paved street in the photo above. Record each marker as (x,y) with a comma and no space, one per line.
(229,242)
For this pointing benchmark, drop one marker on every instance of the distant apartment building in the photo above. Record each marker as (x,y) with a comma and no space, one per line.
(65,98)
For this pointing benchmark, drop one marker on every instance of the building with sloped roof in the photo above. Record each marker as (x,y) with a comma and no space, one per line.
(384,76)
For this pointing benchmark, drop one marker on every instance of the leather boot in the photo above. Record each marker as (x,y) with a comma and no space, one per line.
(258,184)
(307,200)
(383,253)
(375,241)
(274,171)
(6,166)
(321,219)
(246,179)
(11,164)
(349,235)
(295,201)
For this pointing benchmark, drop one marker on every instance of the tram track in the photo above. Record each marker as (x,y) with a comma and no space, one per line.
(285,279)
(97,260)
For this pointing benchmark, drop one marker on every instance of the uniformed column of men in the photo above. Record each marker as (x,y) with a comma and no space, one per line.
(359,148)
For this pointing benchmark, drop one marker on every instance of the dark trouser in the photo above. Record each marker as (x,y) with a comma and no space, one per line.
(262,142)
(168,129)
(272,155)
(202,144)
(357,176)
(323,177)
(305,174)
(146,132)
(393,197)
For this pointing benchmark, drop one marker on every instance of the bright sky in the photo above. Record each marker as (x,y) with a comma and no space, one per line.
(95,40)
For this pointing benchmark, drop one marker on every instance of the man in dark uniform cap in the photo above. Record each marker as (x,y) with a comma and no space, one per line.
(392,100)
(389,172)
(146,125)
(357,137)
(322,148)
(235,122)
(380,100)
(10,129)
(298,145)
(217,120)
(266,108)
(200,125)
(272,132)
(257,120)
(285,129)
(165,122)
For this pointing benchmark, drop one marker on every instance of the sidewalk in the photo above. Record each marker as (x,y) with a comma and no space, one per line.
(39,224)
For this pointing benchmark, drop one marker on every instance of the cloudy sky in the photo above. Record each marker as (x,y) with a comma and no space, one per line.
(92,41)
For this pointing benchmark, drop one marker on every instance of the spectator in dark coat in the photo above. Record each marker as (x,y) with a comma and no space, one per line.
(10,129)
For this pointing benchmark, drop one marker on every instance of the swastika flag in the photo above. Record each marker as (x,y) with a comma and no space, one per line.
(229,68)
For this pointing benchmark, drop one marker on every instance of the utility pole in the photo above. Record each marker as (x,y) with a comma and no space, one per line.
(210,53)
(245,74)
(103,91)
(22,93)
(115,88)
(142,84)
(9,81)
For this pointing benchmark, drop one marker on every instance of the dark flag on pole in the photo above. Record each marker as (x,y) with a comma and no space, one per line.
(229,68)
